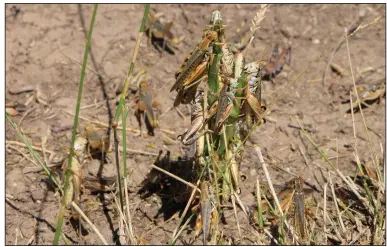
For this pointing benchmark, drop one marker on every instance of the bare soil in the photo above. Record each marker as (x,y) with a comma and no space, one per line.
(44,50)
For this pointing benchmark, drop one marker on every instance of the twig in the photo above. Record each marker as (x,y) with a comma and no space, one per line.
(325,213)
(138,151)
(298,127)
(236,215)
(337,207)
(131,234)
(374,159)
(74,60)
(25,156)
(270,236)
(339,44)
(24,145)
(75,206)
(184,14)
(176,177)
(263,164)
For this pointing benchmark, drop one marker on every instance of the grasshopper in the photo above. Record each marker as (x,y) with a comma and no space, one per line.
(225,105)
(97,140)
(160,33)
(195,64)
(299,209)
(147,106)
(275,63)
(208,217)
(252,93)
(367,95)
(242,37)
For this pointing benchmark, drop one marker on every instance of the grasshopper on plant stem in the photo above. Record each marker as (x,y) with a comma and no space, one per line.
(189,69)
(208,215)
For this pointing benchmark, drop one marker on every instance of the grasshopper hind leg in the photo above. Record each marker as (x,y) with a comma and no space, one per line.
(148,126)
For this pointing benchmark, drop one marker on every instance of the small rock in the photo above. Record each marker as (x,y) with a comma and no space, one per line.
(37,194)
(300,114)
(253,172)
(15,183)
(293,147)
(316,41)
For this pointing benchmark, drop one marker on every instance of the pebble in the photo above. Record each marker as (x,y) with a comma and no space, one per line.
(15,181)
(316,41)
(253,172)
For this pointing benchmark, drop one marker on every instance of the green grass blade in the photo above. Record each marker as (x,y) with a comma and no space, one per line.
(75,126)
(32,151)
(130,72)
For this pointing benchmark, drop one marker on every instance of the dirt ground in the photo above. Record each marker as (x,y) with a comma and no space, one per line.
(44,50)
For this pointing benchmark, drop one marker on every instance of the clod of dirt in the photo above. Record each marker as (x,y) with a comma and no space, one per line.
(15,182)
(37,194)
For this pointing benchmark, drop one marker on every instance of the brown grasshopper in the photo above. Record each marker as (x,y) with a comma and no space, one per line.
(242,37)
(225,105)
(97,140)
(14,108)
(275,63)
(197,120)
(147,106)
(208,217)
(195,63)
(252,94)
(367,95)
(160,33)
(194,67)
(292,196)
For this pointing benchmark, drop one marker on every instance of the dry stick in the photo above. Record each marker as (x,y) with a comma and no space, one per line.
(341,42)
(118,127)
(357,237)
(353,188)
(325,213)
(160,225)
(132,238)
(122,217)
(185,209)
(182,228)
(44,141)
(270,236)
(374,159)
(138,151)
(75,206)
(176,177)
(26,157)
(74,60)
(235,214)
(23,145)
(337,208)
(259,203)
(241,204)
(174,235)
(263,163)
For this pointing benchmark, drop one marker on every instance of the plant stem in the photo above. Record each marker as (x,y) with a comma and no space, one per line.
(77,108)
